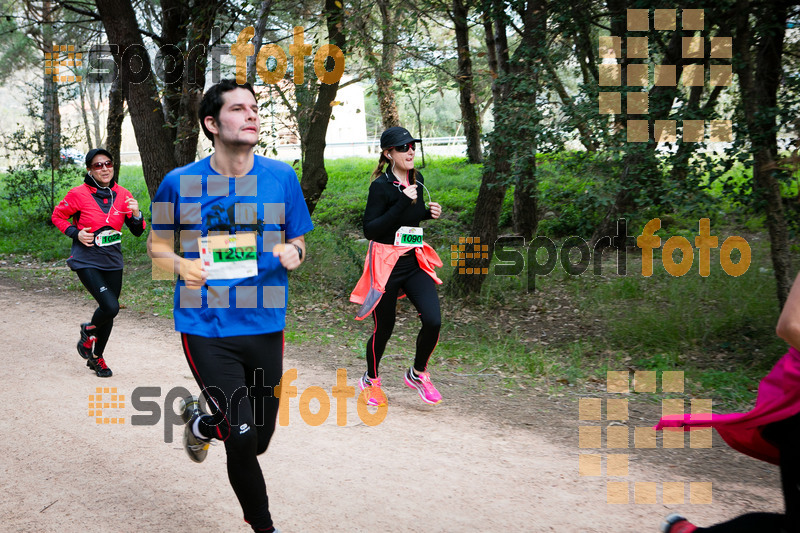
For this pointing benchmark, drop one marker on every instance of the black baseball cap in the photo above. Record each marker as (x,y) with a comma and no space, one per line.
(396,136)
(93,152)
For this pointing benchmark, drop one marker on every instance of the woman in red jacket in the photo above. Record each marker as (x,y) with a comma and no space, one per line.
(398,262)
(98,209)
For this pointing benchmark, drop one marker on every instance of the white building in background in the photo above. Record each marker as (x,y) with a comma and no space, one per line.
(347,132)
(346,136)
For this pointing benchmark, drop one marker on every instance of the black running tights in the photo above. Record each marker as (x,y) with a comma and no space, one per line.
(237,376)
(785,435)
(105,286)
(421,291)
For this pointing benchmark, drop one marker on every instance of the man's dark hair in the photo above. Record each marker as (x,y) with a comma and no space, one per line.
(212,102)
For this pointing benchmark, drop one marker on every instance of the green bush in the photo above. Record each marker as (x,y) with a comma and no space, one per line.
(575,187)
(31,185)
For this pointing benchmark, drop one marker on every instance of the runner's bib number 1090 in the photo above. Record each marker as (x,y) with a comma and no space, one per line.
(229,256)
(408,236)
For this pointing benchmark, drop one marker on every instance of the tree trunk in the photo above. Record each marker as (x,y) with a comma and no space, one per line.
(500,41)
(84,116)
(469,117)
(525,215)
(147,116)
(484,222)
(583,129)
(193,84)
(619,28)
(384,75)
(623,198)
(51,113)
(116,114)
(258,37)
(52,122)
(759,98)
(526,198)
(491,60)
(174,22)
(315,177)
(491,48)
(497,164)
(93,105)
(585,49)
(418,114)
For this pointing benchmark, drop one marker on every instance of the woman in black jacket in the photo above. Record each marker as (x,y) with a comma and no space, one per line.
(391,219)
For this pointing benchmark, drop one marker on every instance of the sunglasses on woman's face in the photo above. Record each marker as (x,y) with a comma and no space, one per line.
(405,147)
(101,164)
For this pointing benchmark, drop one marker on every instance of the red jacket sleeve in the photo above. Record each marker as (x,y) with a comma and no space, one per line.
(62,213)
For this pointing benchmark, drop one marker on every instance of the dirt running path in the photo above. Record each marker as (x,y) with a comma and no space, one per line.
(423,469)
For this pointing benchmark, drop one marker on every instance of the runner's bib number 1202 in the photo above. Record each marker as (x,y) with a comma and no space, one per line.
(229,256)
(408,236)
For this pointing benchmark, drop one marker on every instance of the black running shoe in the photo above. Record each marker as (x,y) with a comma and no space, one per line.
(98,364)
(196,448)
(86,344)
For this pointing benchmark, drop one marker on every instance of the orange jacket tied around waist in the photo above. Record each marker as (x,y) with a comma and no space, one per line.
(378,266)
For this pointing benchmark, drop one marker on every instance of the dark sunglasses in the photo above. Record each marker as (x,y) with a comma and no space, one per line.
(405,147)
(101,164)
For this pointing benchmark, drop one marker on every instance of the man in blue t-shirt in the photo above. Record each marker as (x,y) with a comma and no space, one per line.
(241,220)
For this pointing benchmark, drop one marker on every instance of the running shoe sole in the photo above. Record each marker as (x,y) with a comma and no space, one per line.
(196,449)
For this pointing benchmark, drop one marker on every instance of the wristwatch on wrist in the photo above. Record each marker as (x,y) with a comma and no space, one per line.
(299,251)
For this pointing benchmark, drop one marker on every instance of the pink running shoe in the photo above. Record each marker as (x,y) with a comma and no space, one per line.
(375,395)
(422,383)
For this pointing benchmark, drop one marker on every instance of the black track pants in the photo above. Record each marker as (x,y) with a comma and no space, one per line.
(105,286)
(237,376)
(421,291)
(785,435)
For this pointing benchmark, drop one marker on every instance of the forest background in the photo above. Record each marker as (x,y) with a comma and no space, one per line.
(576,115)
